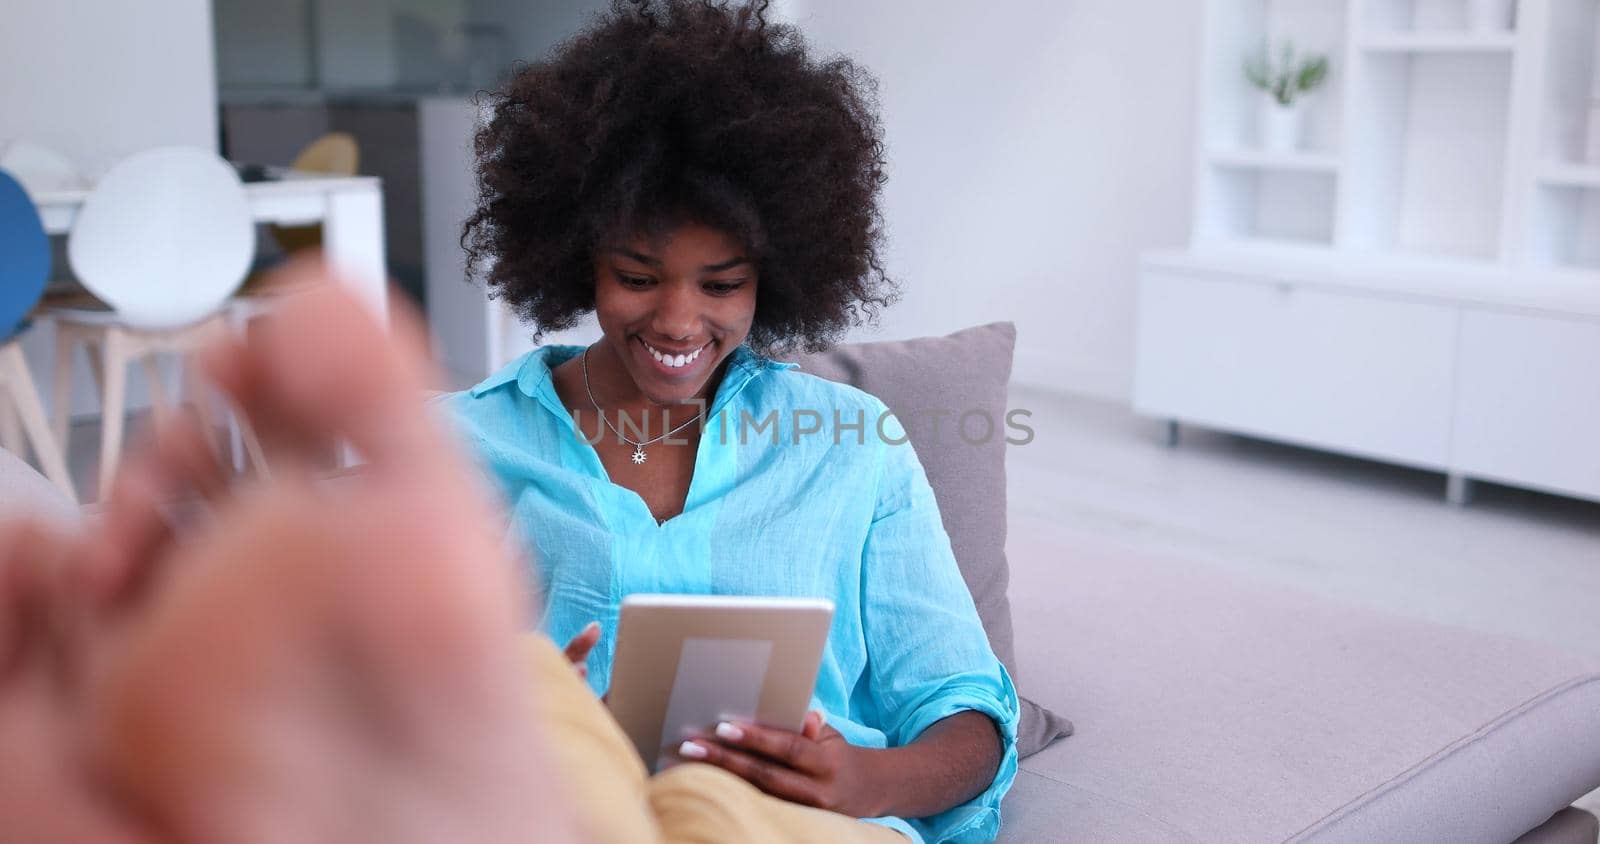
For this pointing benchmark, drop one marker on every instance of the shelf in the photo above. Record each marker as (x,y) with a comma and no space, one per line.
(1268,204)
(1293,162)
(1563,228)
(1570,80)
(1563,289)
(1559,175)
(1428,165)
(1237,30)
(1439,42)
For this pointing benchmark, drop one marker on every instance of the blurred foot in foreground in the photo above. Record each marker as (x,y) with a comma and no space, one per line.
(305,661)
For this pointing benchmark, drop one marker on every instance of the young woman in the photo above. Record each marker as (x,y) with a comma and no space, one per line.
(693,176)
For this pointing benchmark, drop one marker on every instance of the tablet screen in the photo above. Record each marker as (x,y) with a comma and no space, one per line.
(684,663)
(717,680)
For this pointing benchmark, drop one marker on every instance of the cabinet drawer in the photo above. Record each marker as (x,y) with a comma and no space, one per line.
(1528,405)
(1370,376)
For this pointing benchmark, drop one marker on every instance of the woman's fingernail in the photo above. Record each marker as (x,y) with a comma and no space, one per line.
(730,732)
(690,750)
(593,625)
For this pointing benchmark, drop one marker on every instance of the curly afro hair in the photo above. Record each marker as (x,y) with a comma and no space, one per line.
(666,112)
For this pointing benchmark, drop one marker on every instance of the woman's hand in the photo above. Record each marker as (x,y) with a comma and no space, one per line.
(577,650)
(814,767)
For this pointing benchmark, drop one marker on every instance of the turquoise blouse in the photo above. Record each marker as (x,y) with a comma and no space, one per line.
(841,513)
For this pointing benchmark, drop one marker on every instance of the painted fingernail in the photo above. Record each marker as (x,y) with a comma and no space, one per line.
(690,750)
(730,732)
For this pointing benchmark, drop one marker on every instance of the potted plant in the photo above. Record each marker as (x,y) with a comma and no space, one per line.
(1286,82)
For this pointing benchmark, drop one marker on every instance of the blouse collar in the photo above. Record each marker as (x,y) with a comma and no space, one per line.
(532,374)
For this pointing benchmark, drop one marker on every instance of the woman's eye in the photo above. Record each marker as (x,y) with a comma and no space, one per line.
(723,288)
(633,280)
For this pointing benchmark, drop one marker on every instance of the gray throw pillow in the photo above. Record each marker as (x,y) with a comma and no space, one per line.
(950,395)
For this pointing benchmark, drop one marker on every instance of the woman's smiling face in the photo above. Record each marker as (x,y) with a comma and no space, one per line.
(673,307)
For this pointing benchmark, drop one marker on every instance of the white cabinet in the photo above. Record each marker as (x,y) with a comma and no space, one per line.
(1417,282)
(1528,402)
(1367,376)
(1453,373)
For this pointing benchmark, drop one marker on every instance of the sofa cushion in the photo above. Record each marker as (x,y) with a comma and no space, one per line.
(1220,709)
(967,372)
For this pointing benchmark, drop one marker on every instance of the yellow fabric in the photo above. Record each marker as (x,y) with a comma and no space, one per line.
(616,801)
(333,154)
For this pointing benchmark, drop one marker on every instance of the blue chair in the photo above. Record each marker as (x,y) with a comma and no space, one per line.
(24,271)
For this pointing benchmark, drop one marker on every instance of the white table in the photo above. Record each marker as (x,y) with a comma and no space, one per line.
(350,209)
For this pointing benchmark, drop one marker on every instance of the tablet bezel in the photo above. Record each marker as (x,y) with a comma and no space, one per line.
(650,637)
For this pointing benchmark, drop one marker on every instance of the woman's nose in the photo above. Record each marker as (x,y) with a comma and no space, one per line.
(678,316)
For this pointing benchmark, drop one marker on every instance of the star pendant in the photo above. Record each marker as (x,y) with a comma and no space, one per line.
(638,455)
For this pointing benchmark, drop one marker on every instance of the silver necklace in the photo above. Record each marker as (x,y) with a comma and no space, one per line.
(638,446)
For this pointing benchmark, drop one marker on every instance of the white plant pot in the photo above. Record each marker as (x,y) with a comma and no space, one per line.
(1490,16)
(1282,128)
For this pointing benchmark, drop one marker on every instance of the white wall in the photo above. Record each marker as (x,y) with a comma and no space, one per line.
(99,80)
(1036,148)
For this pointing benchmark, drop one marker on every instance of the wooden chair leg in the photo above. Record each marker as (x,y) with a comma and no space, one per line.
(195,393)
(92,348)
(113,404)
(61,393)
(160,407)
(26,399)
(10,426)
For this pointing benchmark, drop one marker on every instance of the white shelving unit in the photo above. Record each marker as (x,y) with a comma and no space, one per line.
(1284,162)
(1570,176)
(1436,42)
(1416,141)
(1560,195)
(1448,193)
(1246,194)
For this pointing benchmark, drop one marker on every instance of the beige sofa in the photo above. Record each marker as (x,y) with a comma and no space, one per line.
(1211,709)
(1214,710)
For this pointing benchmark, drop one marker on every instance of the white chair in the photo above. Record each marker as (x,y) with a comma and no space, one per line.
(40,169)
(164,240)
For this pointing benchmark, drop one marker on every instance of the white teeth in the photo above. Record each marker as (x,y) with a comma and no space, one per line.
(674,361)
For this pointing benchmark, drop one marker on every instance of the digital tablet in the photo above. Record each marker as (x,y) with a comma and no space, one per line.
(686,662)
